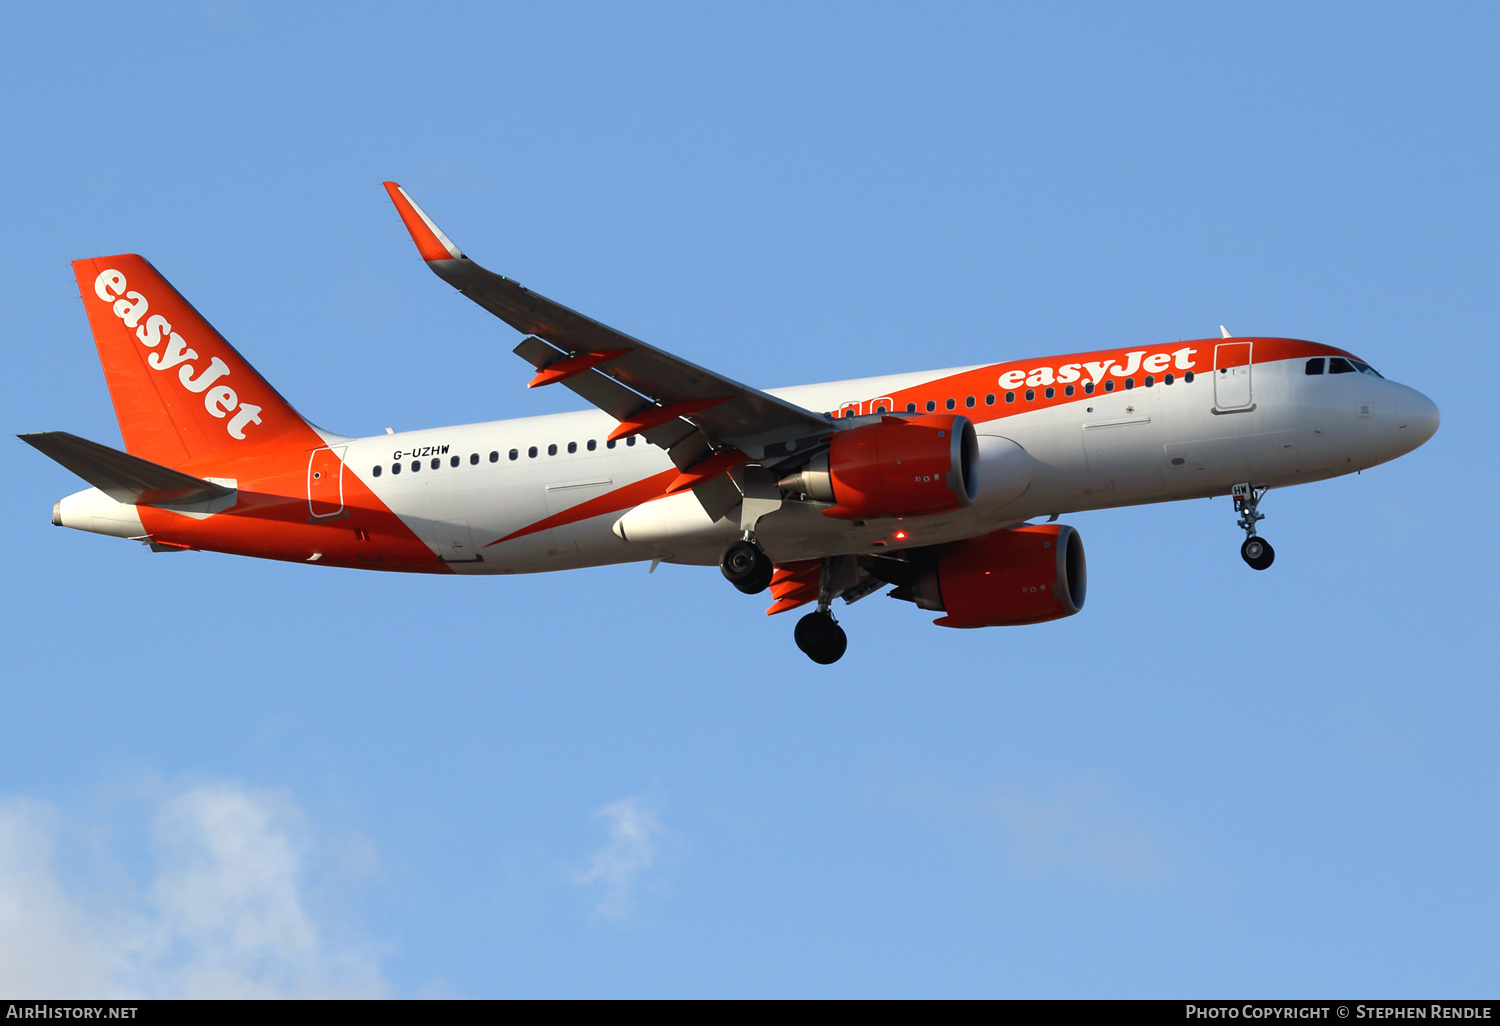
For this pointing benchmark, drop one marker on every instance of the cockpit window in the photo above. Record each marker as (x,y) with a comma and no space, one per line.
(1315,365)
(1339,365)
(1365,368)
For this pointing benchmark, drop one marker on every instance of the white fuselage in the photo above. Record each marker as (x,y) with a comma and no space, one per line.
(1189,439)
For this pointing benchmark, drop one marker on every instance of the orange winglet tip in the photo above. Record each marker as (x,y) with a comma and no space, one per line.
(657,415)
(564,369)
(706,470)
(430,240)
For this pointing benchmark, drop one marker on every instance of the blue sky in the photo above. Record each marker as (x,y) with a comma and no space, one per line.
(223,776)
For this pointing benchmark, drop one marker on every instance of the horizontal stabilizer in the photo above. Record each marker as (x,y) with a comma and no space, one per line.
(121,476)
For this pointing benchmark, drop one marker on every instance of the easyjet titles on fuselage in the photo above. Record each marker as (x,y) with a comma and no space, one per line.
(1135,360)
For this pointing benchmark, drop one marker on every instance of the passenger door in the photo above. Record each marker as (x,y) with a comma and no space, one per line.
(1232,376)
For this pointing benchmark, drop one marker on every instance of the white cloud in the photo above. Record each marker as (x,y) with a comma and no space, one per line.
(46,946)
(225,915)
(1082,826)
(617,869)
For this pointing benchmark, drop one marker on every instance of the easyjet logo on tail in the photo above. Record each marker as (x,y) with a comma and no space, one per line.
(219,399)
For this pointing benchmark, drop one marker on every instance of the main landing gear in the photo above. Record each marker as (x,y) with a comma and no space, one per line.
(821,638)
(746,567)
(1256,551)
(818,634)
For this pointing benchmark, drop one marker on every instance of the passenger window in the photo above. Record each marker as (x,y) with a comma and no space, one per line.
(1129,383)
(513,454)
(1339,365)
(436,462)
(1010,397)
(1067,390)
(989,400)
(630,440)
(1150,380)
(593,445)
(881,409)
(1030,394)
(375,472)
(951,403)
(1109,386)
(473,459)
(455,461)
(1188,377)
(969,402)
(1088,388)
(416,465)
(495,456)
(610,444)
(531,453)
(395,468)
(1168,379)
(1051,392)
(552,449)
(572,447)
(931,405)
(1314,366)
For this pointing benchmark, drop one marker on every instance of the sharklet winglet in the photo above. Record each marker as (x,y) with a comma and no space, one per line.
(430,240)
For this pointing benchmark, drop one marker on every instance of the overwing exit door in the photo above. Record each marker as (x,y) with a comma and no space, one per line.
(325,482)
(1232,376)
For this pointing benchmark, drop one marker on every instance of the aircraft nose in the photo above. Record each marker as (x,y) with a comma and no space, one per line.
(1417,417)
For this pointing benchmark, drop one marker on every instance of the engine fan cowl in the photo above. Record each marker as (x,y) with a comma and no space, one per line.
(1010,577)
(903,467)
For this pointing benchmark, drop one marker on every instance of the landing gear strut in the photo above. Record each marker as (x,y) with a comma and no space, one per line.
(818,634)
(1256,551)
(746,567)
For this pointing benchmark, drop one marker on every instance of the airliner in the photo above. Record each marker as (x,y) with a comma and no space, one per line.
(944,485)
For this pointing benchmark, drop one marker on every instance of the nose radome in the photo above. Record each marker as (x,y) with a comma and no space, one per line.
(1416,416)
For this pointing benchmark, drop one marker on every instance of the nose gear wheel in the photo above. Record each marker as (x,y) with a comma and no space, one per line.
(1256,551)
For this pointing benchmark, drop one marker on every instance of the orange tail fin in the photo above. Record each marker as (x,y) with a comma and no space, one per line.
(181,392)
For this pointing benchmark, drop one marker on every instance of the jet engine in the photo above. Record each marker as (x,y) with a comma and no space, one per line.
(1015,576)
(895,467)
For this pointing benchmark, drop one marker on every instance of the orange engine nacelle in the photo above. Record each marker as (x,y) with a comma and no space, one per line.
(896,467)
(1015,576)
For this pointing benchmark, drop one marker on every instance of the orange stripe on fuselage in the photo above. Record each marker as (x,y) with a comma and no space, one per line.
(1047,372)
(624,497)
(271,519)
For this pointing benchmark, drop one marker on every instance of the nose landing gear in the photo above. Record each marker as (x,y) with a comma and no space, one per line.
(1256,551)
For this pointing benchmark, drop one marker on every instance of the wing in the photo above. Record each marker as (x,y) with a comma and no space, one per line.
(696,415)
